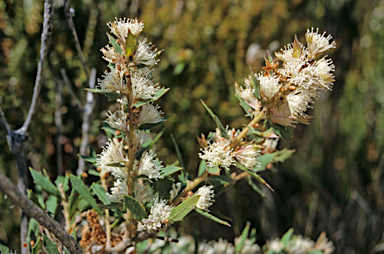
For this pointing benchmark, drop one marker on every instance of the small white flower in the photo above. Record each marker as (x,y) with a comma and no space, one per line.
(269,85)
(141,137)
(145,55)
(112,82)
(119,190)
(275,245)
(118,119)
(206,197)
(143,193)
(247,156)
(118,172)
(121,27)
(248,246)
(282,115)
(218,153)
(270,144)
(175,190)
(150,114)
(323,72)
(213,247)
(286,54)
(300,245)
(299,99)
(318,43)
(149,166)
(158,214)
(113,154)
(299,72)
(110,55)
(142,86)
(248,95)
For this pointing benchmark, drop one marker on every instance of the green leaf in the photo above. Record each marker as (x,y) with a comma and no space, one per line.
(93,172)
(286,238)
(32,196)
(315,252)
(112,205)
(49,246)
(245,106)
(33,229)
(66,251)
(183,177)
(255,187)
(44,182)
(219,180)
(36,247)
(74,199)
(130,45)
(217,121)
(100,193)
(162,187)
(211,217)
(157,95)
(296,48)
(264,160)
(180,211)
(108,129)
(110,95)
(202,167)
(89,158)
(213,170)
(265,134)
(281,156)
(135,207)
(51,205)
(280,130)
(243,238)
(179,68)
(4,249)
(64,180)
(148,126)
(255,84)
(115,44)
(84,192)
(169,170)
(256,176)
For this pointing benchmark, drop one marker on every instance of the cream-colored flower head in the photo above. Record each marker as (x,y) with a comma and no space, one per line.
(121,27)
(118,191)
(149,166)
(318,43)
(159,213)
(112,154)
(206,197)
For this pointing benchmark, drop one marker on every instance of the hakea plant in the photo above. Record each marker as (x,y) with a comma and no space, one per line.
(138,197)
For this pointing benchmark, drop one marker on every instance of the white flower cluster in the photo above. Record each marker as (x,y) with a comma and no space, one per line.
(286,93)
(159,213)
(206,197)
(220,153)
(149,166)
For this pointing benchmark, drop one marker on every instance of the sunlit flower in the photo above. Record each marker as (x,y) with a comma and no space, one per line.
(323,73)
(143,193)
(112,82)
(213,247)
(247,155)
(113,154)
(206,197)
(150,114)
(118,191)
(149,166)
(121,27)
(300,245)
(318,43)
(299,100)
(118,119)
(248,95)
(158,214)
(142,86)
(269,85)
(145,55)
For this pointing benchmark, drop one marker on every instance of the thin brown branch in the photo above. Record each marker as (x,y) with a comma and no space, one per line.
(88,110)
(19,198)
(71,92)
(68,15)
(45,41)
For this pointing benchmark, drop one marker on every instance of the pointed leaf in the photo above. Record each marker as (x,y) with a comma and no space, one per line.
(89,158)
(84,192)
(282,155)
(214,170)
(51,205)
(115,44)
(202,167)
(36,247)
(44,182)
(93,172)
(245,106)
(219,180)
(180,211)
(32,196)
(286,238)
(158,94)
(100,193)
(64,180)
(255,187)
(243,238)
(163,187)
(211,217)
(4,249)
(169,170)
(296,48)
(280,130)
(217,121)
(148,126)
(183,176)
(49,246)
(135,207)
(112,205)
(74,199)
(255,84)
(108,129)
(130,46)
(111,95)
(264,160)
(256,176)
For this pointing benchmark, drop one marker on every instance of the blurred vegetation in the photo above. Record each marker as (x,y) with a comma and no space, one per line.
(333,183)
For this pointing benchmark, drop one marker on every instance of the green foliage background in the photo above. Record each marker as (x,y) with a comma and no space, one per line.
(334,181)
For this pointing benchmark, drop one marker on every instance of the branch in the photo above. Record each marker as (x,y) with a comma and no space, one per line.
(88,110)
(45,40)
(19,198)
(68,15)
(5,126)
(71,92)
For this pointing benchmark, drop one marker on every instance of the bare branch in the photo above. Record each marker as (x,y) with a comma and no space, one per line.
(5,126)
(68,15)
(71,92)
(88,110)
(45,40)
(19,198)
